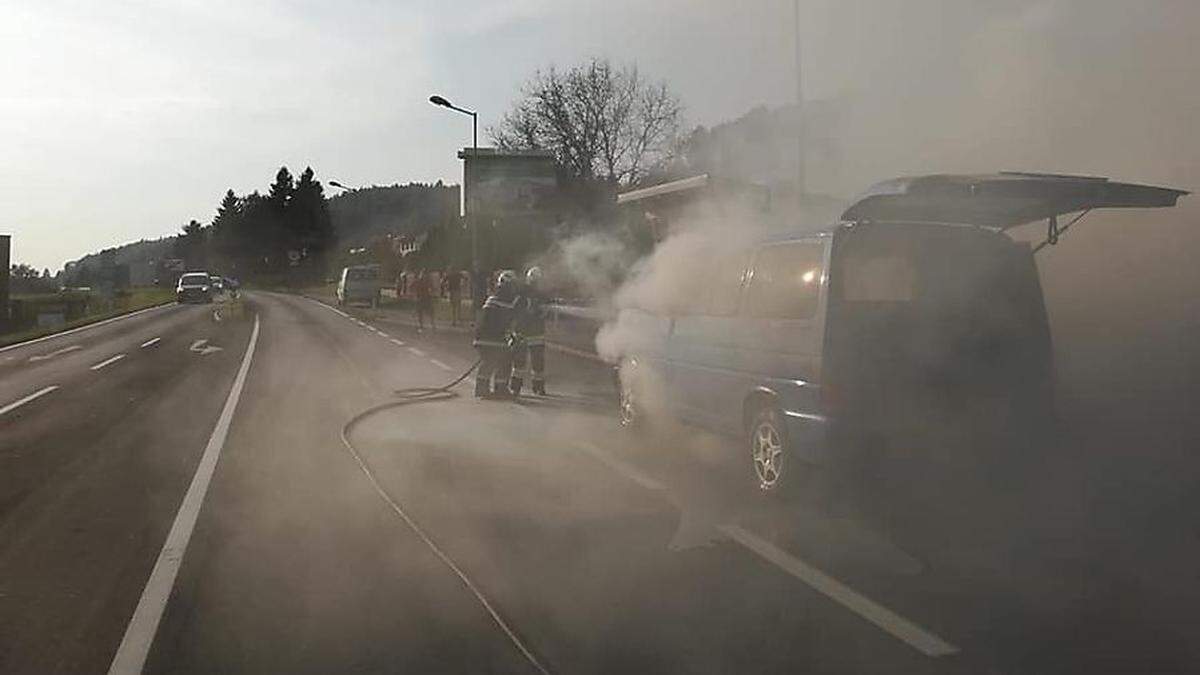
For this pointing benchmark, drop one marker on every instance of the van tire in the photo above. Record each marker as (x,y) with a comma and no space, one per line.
(770,453)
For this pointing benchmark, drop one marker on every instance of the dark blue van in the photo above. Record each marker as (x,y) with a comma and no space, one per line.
(917,309)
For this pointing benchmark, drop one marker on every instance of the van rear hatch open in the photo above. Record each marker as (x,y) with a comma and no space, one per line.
(926,320)
(1001,200)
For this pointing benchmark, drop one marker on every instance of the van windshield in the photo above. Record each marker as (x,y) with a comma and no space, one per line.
(194,280)
(362,274)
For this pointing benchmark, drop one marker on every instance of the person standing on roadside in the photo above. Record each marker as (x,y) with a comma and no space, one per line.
(453,284)
(423,290)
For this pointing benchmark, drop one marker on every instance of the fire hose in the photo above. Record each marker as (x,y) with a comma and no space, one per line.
(408,396)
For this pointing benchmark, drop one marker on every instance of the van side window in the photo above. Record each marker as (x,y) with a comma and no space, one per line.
(728,275)
(786,282)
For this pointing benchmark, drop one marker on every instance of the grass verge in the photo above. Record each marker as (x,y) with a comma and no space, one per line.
(138,298)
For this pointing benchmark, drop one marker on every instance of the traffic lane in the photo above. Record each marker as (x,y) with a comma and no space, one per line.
(44,348)
(296,564)
(690,529)
(92,394)
(601,572)
(41,364)
(1004,560)
(91,482)
(1005,571)
(1060,541)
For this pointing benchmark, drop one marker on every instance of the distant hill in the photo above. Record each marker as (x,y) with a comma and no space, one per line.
(140,256)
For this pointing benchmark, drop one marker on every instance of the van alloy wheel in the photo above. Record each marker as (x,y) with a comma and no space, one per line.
(767,449)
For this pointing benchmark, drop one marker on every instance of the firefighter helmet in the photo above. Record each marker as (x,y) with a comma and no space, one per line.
(506,278)
(534,276)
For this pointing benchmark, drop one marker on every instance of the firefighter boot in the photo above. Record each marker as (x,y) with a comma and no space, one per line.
(515,384)
(539,386)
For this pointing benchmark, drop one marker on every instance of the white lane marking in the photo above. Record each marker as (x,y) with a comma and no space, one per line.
(20,402)
(90,325)
(439,364)
(108,361)
(920,639)
(897,626)
(331,308)
(383,334)
(396,342)
(64,350)
(151,342)
(139,635)
(416,352)
(202,347)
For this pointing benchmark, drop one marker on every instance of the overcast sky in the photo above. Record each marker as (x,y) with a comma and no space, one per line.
(122,120)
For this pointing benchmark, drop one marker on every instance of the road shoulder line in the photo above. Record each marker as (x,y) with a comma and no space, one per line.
(139,635)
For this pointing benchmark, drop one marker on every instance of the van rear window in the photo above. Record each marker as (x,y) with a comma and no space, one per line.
(882,277)
(786,281)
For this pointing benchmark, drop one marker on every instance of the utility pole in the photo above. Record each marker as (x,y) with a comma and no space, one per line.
(800,141)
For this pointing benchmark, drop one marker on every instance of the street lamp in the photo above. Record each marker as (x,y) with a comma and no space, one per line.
(471,221)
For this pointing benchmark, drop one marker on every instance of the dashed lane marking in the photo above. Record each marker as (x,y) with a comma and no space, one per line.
(58,352)
(89,326)
(139,635)
(107,362)
(32,397)
(416,352)
(396,342)
(151,342)
(439,364)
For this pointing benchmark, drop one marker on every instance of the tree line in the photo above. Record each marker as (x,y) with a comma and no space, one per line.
(286,233)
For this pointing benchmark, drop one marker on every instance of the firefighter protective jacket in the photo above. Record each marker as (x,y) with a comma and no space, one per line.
(531,316)
(497,319)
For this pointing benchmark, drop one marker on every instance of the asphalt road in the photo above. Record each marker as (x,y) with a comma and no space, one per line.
(453,535)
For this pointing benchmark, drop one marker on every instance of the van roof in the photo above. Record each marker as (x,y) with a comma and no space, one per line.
(1000,200)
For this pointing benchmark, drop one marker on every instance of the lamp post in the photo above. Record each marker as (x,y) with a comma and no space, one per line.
(472,222)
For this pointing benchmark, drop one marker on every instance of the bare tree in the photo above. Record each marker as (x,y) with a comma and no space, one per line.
(600,121)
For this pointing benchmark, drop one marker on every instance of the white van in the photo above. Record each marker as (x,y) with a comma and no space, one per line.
(360,283)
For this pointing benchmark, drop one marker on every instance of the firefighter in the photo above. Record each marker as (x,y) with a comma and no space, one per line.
(530,350)
(491,338)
